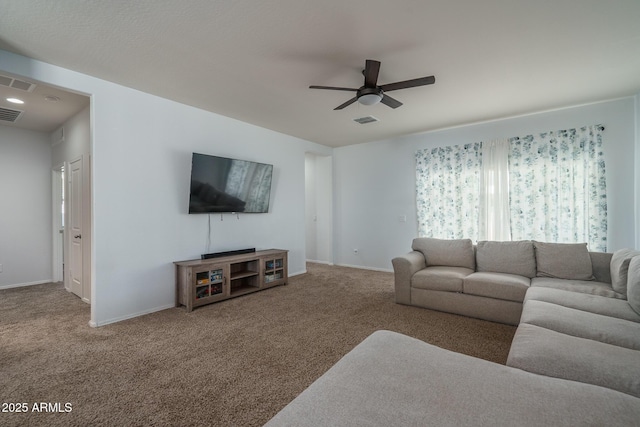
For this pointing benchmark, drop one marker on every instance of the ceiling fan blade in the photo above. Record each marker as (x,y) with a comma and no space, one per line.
(391,102)
(346,104)
(334,88)
(422,81)
(371,70)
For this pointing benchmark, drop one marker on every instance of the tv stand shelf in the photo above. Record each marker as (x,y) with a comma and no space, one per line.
(204,281)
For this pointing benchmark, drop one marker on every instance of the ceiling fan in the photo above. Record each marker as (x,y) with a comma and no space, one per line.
(371,93)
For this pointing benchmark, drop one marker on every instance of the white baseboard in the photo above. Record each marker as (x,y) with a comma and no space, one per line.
(315,261)
(20,285)
(361,267)
(129,316)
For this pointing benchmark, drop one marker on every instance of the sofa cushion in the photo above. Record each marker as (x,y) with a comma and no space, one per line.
(504,286)
(507,257)
(601,264)
(619,268)
(440,278)
(554,354)
(563,260)
(611,307)
(582,324)
(394,380)
(447,252)
(633,284)
(584,286)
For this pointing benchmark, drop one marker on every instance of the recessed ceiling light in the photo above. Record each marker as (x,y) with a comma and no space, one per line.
(51,98)
(15,100)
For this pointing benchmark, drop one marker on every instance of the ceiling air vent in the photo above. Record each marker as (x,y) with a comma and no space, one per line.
(17,83)
(8,115)
(365,120)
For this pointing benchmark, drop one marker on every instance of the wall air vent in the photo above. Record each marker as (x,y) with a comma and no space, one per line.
(365,120)
(16,83)
(8,115)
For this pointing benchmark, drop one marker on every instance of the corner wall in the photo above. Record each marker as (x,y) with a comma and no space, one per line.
(141,159)
(377,180)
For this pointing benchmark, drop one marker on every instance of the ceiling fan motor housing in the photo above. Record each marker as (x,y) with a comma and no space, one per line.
(369,95)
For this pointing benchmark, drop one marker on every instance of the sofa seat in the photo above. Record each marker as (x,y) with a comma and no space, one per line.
(582,286)
(440,278)
(394,380)
(605,306)
(511,287)
(554,354)
(582,324)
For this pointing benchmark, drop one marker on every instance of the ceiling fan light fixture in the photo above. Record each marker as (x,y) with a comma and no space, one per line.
(371,93)
(370,99)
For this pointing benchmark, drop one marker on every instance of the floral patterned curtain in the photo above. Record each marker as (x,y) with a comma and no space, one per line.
(558,187)
(447,191)
(555,181)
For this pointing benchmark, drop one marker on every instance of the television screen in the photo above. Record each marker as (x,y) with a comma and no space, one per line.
(219,184)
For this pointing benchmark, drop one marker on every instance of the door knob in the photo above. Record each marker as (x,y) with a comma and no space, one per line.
(77,236)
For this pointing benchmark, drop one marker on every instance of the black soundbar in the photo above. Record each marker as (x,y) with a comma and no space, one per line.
(227,253)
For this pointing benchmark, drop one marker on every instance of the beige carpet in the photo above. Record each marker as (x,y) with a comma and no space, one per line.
(234,363)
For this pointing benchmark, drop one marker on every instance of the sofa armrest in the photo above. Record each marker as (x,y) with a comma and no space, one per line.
(601,264)
(404,267)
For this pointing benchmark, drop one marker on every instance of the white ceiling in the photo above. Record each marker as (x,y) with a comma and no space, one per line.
(45,107)
(253,60)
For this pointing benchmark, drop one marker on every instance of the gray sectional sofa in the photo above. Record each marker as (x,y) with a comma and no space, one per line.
(489,281)
(574,360)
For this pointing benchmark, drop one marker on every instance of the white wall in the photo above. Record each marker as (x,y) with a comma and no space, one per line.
(25,207)
(141,160)
(637,169)
(377,180)
(77,138)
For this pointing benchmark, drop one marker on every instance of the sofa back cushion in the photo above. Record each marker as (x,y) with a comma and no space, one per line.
(507,257)
(633,283)
(619,268)
(446,252)
(563,261)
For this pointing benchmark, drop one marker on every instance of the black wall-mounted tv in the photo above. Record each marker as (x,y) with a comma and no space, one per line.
(223,185)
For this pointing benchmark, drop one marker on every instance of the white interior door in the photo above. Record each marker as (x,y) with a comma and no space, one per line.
(75,228)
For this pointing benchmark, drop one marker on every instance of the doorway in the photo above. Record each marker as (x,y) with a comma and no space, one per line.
(319,208)
(69,114)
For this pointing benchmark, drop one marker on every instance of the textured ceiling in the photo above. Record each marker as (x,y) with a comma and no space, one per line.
(45,107)
(254,60)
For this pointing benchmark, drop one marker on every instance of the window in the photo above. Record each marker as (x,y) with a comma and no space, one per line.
(549,187)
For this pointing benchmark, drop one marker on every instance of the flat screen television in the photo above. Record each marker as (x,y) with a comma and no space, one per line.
(223,185)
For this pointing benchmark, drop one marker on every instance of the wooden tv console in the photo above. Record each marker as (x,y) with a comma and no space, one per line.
(204,281)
